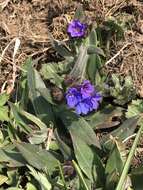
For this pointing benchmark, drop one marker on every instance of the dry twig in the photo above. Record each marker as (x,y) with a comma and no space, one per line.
(12,81)
(117,54)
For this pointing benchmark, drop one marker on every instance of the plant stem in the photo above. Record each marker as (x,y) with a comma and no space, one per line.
(129,159)
(80,175)
(62,176)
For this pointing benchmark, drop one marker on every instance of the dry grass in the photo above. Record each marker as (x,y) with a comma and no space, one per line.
(29,21)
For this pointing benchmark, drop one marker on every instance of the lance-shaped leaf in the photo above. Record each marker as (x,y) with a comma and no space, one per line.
(83,184)
(11,158)
(117,158)
(19,118)
(83,137)
(94,60)
(41,159)
(41,178)
(77,126)
(79,68)
(42,108)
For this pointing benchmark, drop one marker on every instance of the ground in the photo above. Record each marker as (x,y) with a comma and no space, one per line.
(30,21)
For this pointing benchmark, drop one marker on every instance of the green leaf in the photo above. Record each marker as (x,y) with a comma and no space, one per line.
(38,137)
(34,119)
(19,119)
(18,113)
(111,180)
(114,28)
(39,158)
(45,92)
(49,71)
(62,177)
(127,165)
(3,99)
(116,158)
(24,93)
(3,179)
(94,64)
(93,38)
(135,108)
(13,177)
(82,137)
(80,65)
(42,108)
(95,50)
(123,90)
(11,158)
(30,186)
(41,178)
(85,161)
(79,13)
(126,129)
(85,186)
(136,178)
(62,49)
(4,113)
(77,126)
(98,170)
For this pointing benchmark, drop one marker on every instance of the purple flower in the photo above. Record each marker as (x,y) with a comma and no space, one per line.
(87,89)
(76,29)
(82,108)
(73,97)
(87,105)
(95,101)
(83,98)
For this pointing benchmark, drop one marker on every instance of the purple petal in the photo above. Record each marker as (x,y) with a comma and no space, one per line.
(82,108)
(76,29)
(87,89)
(95,103)
(71,101)
(97,96)
(73,97)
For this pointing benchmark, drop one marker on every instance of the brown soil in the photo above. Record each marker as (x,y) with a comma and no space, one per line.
(130,59)
(30,20)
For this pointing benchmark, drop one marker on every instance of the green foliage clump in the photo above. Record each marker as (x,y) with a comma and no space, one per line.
(45,145)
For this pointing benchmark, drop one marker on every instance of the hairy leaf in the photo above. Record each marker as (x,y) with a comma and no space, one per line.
(135,108)
(42,108)
(38,158)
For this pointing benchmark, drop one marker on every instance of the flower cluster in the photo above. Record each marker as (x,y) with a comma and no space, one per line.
(76,29)
(83,98)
